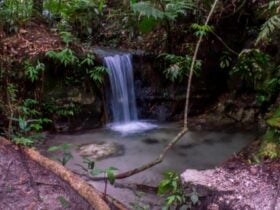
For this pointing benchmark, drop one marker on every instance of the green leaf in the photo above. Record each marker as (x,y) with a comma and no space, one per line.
(201,30)
(53,148)
(147,9)
(97,74)
(171,199)
(194,198)
(65,56)
(90,163)
(22,124)
(66,157)
(111,176)
(268,28)
(67,37)
(65,203)
(25,141)
(88,60)
(61,147)
(147,24)
(36,126)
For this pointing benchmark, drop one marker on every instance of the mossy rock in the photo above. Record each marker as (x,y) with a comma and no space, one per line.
(270,150)
(274,122)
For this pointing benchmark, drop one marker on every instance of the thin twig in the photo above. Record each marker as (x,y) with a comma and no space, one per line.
(193,64)
(225,45)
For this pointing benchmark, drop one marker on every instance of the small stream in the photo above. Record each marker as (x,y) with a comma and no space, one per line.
(196,150)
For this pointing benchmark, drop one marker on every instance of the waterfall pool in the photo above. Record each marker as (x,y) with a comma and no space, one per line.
(132,127)
(196,150)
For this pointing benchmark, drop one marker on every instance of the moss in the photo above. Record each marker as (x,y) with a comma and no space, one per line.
(270,135)
(270,150)
(274,122)
(270,146)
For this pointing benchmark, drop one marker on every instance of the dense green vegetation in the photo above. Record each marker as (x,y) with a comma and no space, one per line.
(241,43)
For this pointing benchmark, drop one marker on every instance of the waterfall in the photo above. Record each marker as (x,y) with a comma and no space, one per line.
(122,100)
(122,95)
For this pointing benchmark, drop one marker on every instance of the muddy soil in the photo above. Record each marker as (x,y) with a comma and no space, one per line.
(25,185)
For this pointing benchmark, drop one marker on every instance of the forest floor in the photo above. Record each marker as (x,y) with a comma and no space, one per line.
(238,185)
(26,185)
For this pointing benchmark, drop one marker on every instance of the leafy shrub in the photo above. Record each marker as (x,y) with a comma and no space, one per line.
(32,71)
(168,9)
(257,72)
(14,13)
(201,30)
(64,153)
(270,146)
(27,123)
(65,56)
(76,15)
(272,24)
(172,188)
(251,67)
(179,66)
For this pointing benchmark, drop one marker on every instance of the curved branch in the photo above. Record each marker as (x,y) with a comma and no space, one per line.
(150,164)
(225,45)
(192,66)
(237,10)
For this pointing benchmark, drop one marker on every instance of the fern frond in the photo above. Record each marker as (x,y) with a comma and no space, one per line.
(274,4)
(268,28)
(179,66)
(147,9)
(174,8)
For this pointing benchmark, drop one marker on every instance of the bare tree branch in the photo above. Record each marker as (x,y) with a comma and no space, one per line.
(192,66)
(225,44)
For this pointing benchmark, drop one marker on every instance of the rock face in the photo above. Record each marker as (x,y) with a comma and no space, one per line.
(245,187)
(101,150)
(73,107)
(159,98)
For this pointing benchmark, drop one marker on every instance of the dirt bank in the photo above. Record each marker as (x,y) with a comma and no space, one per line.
(26,185)
(238,185)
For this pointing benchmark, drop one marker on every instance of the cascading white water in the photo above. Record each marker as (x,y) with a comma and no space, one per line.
(122,95)
(122,88)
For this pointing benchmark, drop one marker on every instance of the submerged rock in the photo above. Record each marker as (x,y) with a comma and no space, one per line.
(101,150)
